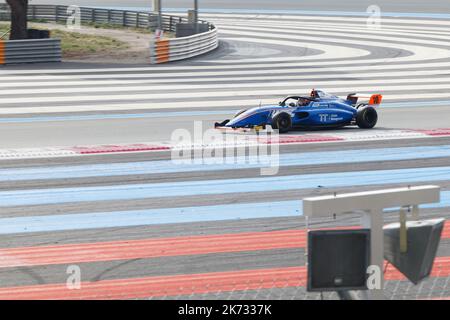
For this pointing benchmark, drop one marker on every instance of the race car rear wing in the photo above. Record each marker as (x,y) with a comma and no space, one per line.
(372,100)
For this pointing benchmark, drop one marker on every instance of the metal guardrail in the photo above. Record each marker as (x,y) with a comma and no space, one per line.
(30,51)
(167,50)
(4,14)
(125,18)
(160,50)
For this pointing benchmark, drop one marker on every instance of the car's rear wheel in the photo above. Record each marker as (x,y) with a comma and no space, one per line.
(282,122)
(367,118)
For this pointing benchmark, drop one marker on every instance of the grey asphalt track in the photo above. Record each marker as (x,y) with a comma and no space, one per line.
(207,76)
(69,133)
(245,260)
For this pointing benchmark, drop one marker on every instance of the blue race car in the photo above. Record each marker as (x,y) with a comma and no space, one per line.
(318,110)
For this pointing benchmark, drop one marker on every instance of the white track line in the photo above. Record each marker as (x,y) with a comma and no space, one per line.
(361,64)
(379,84)
(427,75)
(332,27)
(330,52)
(236,103)
(230,93)
(250,69)
(358,34)
(420,52)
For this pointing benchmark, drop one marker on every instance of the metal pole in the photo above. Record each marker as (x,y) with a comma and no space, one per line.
(196,10)
(160,21)
(373,220)
(196,15)
(157,9)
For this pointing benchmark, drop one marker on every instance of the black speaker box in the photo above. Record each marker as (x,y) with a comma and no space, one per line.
(338,259)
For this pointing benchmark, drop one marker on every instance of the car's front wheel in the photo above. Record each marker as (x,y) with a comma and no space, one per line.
(282,122)
(367,118)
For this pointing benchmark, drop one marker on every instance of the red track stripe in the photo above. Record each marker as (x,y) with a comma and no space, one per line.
(436,132)
(151,248)
(185,284)
(118,148)
(164,286)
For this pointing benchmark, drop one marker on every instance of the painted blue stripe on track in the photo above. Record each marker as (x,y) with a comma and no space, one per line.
(151,115)
(161,216)
(148,217)
(416,104)
(167,166)
(224,186)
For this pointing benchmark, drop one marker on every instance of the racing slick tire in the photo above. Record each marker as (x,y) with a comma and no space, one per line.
(282,122)
(367,118)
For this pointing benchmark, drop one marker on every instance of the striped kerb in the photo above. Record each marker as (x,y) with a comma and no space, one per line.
(162,51)
(2,52)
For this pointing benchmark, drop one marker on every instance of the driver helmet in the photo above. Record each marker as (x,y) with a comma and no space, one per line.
(302,102)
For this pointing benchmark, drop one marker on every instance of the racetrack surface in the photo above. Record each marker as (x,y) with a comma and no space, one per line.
(257,62)
(140,226)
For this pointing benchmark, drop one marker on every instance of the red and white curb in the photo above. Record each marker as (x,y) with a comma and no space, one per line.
(237,140)
(140,147)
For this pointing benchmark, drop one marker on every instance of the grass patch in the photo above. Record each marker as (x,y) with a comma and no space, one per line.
(116,27)
(4,31)
(77,44)
(98,25)
(74,44)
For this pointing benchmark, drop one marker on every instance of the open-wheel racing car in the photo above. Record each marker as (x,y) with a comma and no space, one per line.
(318,110)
